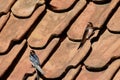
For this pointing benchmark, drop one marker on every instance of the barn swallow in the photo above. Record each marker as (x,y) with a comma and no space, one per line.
(88,33)
(35,61)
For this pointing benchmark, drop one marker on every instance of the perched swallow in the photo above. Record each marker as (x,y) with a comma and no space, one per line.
(35,61)
(88,33)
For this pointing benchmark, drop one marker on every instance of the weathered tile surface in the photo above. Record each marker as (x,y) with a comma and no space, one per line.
(114,22)
(103,49)
(66,55)
(61,4)
(27,68)
(72,73)
(117,76)
(5,5)
(16,28)
(44,53)
(53,24)
(24,66)
(101,75)
(58,62)
(102,12)
(77,29)
(73,39)
(7,60)
(95,13)
(24,8)
(3,20)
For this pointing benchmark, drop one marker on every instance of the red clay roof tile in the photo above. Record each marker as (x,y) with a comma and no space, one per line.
(62,35)
(61,4)
(5,5)
(7,59)
(77,29)
(106,74)
(114,22)
(117,76)
(3,20)
(102,12)
(45,52)
(52,24)
(64,57)
(16,28)
(25,8)
(24,66)
(103,49)
(72,73)
(58,62)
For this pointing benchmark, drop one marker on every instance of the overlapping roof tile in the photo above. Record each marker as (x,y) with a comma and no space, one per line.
(66,55)
(103,49)
(117,76)
(16,28)
(62,4)
(25,8)
(53,24)
(24,61)
(5,6)
(114,22)
(3,20)
(73,39)
(103,75)
(10,59)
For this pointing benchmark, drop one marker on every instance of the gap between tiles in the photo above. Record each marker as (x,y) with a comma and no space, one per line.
(14,63)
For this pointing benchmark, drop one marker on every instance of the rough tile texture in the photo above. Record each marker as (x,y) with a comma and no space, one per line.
(61,4)
(24,8)
(103,49)
(3,20)
(102,75)
(5,6)
(73,39)
(53,24)
(16,28)
(115,20)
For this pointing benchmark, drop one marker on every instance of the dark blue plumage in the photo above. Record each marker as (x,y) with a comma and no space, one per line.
(35,61)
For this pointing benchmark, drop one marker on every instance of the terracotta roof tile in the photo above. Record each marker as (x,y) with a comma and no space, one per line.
(16,28)
(52,24)
(5,5)
(46,52)
(24,8)
(117,76)
(74,40)
(114,22)
(107,74)
(72,73)
(66,55)
(77,29)
(61,4)
(9,59)
(102,13)
(66,51)
(98,14)
(42,54)
(3,20)
(103,49)
(23,67)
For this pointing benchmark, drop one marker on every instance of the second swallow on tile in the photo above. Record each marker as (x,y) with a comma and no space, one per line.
(89,31)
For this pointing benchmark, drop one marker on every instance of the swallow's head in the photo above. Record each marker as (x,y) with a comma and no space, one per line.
(34,58)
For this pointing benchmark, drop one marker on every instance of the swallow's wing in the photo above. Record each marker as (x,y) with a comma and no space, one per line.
(35,61)
(34,58)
